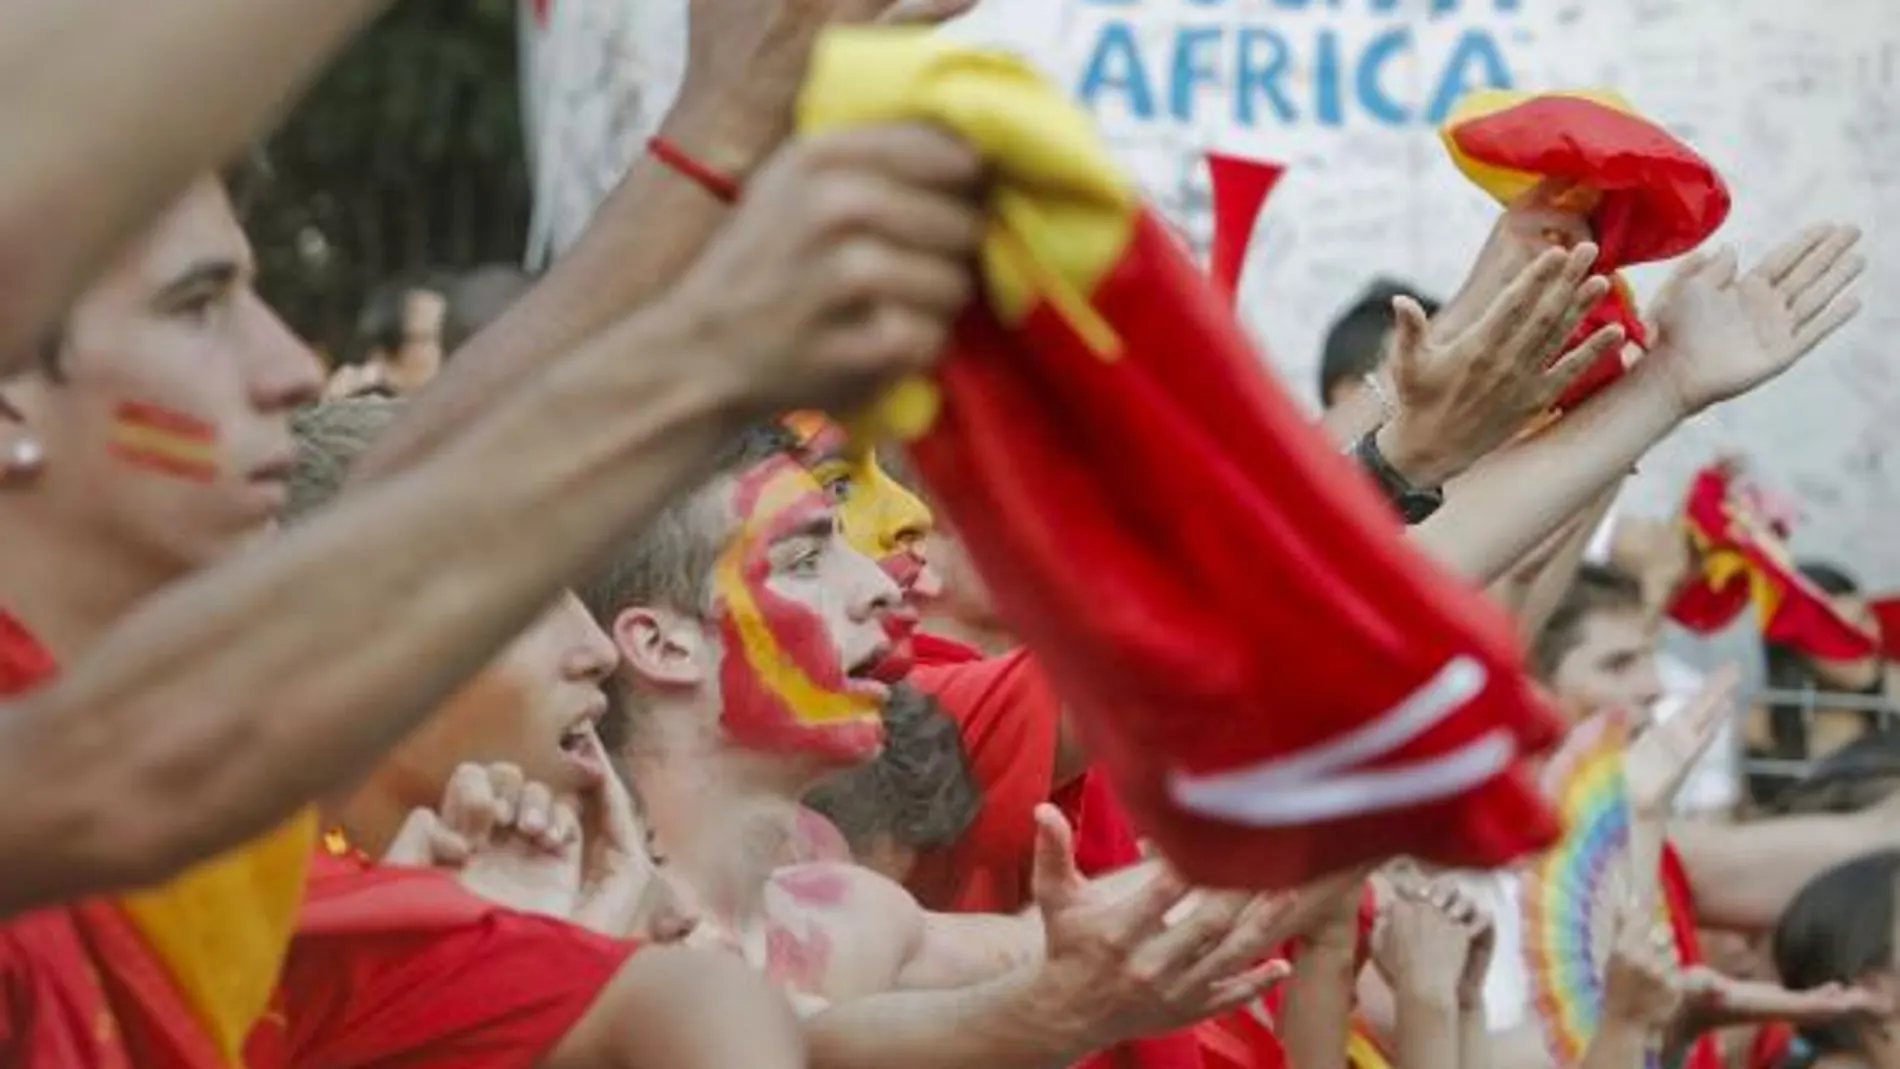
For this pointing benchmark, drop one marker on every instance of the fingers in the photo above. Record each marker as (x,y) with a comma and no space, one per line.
(1505,318)
(913,154)
(423,842)
(1823,326)
(1176,949)
(1554,312)
(550,826)
(1720,269)
(1821,257)
(507,781)
(924,12)
(1572,366)
(1409,325)
(896,338)
(1254,933)
(909,215)
(1239,990)
(1053,876)
(868,271)
(1779,264)
(470,806)
(1143,912)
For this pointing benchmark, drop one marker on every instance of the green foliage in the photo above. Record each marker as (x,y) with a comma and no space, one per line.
(407,155)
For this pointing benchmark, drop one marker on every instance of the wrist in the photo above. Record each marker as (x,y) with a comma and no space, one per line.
(1052,1015)
(729,135)
(1415,461)
(1425,997)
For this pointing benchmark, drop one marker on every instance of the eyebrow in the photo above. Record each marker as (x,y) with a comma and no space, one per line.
(205,274)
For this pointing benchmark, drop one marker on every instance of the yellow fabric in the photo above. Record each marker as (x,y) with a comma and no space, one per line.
(223,928)
(1504,183)
(1362,1053)
(1062,213)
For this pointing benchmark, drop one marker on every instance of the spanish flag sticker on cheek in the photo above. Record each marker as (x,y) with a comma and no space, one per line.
(165,441)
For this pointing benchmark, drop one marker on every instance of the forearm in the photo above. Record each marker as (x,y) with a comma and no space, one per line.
(1427,1031)
(1744,875)
(1007,1023)
(670,1008)
(1514,499)
(1553,577)
(113,109)
(1315,1019)
(1474,1038)
(640,241)
(220,706)
(960,949)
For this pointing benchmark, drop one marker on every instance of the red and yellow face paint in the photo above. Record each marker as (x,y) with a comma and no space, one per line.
(165,441)
(881,519)
(783,685)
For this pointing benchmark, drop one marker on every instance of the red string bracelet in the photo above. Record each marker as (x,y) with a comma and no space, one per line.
(722,186)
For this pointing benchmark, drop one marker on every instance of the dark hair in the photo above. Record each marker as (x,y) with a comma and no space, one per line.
(1597,590)
(1836,931)
(1858,775)
(1355,345)
(381,326)
(1788,669)
(919,792)
(478,297)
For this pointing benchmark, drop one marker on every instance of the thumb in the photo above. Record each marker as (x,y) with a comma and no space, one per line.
(1409,324)
(1054,877)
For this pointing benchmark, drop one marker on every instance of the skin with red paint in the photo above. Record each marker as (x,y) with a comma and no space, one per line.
(164,441)
(882,520)
(816,605)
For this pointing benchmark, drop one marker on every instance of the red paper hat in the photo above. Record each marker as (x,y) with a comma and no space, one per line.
(1654,198)
(1241,187)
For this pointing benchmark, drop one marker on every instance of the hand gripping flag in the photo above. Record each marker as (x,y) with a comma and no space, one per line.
(1241,188)
(1648,196)
(1275,683)
(1741,542)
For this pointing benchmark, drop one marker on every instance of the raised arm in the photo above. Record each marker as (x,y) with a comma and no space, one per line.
(220,706)
(112,109)
(1719,335)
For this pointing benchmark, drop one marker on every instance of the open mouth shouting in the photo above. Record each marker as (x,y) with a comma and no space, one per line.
(580,743)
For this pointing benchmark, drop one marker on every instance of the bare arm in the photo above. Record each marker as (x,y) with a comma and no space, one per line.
(259,718)
(1517,497)
(1316,1018)
(1427,1030)
(1744,875)
(1474,1038)
(1006,1023)
(670,1008)
(1534,598)
(113,109)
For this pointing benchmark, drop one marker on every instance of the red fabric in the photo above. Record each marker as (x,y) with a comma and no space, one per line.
(935,651)
(1240,187)
(1772,1045)
(1679,901)
(401,969)
(1009,718)
(1725,520)
(1887,615)
(1659,198)
(1224,592)
(81,985)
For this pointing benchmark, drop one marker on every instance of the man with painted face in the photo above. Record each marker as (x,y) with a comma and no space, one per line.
(165,414)
(751,633)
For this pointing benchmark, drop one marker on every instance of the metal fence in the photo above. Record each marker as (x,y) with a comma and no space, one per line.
(1808,702)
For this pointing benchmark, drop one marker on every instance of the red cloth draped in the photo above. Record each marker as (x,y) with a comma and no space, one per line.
(1216,593)
(1678,899)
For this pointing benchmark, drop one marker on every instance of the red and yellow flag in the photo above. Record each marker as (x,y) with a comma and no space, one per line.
(1648,195)
(159,439)
(1240,187)
(1745,561)
(1276,683)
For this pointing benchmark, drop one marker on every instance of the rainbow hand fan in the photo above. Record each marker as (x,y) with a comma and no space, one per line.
(1570,896)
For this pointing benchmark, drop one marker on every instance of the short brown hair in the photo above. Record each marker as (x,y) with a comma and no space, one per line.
(670,563)
(330,438)
(1598,590)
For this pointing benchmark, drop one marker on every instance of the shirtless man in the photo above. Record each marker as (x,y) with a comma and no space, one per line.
(751,634)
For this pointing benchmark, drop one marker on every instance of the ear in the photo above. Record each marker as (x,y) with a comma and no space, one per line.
(662,647)
(21,453)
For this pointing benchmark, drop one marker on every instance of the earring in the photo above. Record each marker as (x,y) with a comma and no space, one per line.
(23,457)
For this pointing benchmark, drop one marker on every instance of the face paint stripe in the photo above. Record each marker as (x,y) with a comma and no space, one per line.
(139,415)
(804,699)
(167,464)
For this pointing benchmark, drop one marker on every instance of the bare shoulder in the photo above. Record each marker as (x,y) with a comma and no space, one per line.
(834,886)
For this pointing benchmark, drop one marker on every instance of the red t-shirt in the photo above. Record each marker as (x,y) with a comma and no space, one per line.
(1010,719)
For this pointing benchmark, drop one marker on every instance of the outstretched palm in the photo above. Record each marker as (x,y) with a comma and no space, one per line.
(1720,334)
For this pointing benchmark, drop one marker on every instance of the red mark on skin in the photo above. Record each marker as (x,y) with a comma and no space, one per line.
(755,711)
(813,885)
(797,960)
(816,839)
(166,441)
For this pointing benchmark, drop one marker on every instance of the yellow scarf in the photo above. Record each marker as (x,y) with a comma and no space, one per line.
(223,928)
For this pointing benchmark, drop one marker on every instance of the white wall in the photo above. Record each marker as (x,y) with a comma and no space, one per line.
(1795,100)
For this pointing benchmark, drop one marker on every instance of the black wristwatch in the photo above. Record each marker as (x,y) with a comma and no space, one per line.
(1415,505)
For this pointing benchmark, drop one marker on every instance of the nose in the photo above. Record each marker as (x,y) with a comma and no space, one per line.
(874,593)
(591,655)
(285,373)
